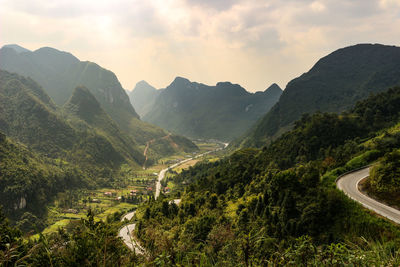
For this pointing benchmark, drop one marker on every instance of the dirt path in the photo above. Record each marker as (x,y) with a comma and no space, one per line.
(167,137)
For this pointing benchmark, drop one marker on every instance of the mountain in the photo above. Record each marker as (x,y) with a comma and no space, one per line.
(83,105)
(17,48)
(222,112)
(142,97)
(333,84)
(28,116)
(28,181)
(59,73)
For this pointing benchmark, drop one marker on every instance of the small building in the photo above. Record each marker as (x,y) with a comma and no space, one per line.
(74,211)
(108,194)
(95,200)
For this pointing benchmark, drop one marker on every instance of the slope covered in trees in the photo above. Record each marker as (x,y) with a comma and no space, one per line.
(40,126)
(255,207)
(222,112)
(263,206)
(28,181)
(59,73)
(84,106)
(333,84)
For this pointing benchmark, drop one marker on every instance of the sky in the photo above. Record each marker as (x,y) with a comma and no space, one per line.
(250,42)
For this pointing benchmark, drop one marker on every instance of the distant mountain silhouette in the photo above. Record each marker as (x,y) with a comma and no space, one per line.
(223,111)
(142,97)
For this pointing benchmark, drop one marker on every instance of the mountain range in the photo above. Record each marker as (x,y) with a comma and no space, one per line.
(59,73)
(224,111)
(29,116)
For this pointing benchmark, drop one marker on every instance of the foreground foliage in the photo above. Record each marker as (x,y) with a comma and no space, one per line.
(279,205)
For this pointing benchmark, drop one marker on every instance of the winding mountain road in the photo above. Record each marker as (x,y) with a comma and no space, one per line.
(348,183)
(126,234)
(126,231)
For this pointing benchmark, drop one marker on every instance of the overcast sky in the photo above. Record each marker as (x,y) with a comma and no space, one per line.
(250,42)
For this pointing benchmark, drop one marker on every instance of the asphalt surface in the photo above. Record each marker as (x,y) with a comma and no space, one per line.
(128,216)
(162,173)
(130,242)
(126,231)
(349,185)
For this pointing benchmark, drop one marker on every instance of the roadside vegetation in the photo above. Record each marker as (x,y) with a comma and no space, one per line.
(279,205)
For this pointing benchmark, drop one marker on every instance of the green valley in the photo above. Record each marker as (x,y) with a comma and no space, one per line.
(72,169)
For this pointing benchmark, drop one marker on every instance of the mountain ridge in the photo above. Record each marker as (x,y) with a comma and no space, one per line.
(59,73)
(196,110)
(333,84)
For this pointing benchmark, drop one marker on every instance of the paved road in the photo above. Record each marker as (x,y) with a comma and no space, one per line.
(128,216)
(130,242)
(126,231)
(162,173)
(349,185)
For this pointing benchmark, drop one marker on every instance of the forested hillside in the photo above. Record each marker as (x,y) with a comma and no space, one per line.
(84,106)
(40,126)
(59,73)
(333,84)
(28,181)
(222,112)
(49,149)
(279,205)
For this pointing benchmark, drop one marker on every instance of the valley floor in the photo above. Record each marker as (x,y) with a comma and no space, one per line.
(125,196)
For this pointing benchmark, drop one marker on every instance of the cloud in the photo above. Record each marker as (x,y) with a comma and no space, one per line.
(214,4)
(389,3)
(251,42)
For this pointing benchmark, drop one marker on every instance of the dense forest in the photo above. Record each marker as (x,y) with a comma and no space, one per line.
(28,182)
(279,204)
(272,206)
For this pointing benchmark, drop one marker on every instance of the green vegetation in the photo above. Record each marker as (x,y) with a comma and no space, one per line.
(74,239)
(59,73)
(85,107)
(48,150)
(383,183)
(334,84)
(278,205)
(385,177)
(86,242)
(224,111)
(28,182)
